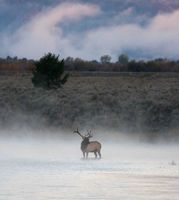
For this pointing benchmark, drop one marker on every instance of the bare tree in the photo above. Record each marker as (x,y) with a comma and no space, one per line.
(106,59)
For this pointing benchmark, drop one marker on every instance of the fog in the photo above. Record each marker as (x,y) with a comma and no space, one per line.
(49,165)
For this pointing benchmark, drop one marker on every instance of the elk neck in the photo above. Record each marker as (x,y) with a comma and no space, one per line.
(84,143)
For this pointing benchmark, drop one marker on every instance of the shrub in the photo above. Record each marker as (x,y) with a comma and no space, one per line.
(49,72)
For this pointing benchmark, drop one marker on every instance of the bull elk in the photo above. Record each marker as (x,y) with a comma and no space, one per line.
(89,146)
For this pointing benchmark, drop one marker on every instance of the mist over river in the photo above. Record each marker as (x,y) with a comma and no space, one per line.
(51,167)
(114,82)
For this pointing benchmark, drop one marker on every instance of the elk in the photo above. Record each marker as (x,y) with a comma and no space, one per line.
(89,146)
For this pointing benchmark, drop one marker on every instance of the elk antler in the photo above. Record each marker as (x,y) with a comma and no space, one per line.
(89,135)
(77,131)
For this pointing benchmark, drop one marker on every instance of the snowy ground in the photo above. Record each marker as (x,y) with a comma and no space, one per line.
(51,169)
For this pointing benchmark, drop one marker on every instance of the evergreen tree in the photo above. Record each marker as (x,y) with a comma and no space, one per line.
(49,72)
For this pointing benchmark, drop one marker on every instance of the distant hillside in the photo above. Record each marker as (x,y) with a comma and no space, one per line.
(137,103)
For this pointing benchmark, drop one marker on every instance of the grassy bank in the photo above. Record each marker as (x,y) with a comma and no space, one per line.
(140,102)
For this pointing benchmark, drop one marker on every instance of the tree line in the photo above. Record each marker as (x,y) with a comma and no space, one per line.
(123,64)
(105,64)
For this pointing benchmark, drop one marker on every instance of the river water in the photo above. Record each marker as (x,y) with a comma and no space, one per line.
(53,170)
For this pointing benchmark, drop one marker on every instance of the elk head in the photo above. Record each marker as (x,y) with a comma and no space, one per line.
(89,134)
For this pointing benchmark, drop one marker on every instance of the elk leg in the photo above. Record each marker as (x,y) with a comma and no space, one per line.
(83,154)
(95,154)
(99,153)
(86,154)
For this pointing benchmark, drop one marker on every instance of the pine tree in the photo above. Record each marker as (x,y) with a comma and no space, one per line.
(49,72)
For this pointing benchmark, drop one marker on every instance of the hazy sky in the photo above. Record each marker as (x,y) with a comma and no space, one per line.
(89,29)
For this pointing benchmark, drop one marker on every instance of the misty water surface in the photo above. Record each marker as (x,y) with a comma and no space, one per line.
(52,167)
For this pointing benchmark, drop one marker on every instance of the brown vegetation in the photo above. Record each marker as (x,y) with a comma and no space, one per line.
(77,64)
(16,65)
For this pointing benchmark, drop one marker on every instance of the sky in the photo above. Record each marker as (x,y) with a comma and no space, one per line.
(88,29)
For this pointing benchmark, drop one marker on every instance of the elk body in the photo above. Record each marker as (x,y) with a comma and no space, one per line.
(89,146)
